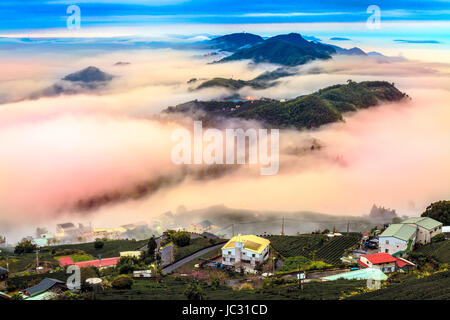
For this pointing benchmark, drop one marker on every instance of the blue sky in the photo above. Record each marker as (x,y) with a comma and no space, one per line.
(44,14)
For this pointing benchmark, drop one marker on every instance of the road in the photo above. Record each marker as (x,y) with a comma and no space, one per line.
(179,263)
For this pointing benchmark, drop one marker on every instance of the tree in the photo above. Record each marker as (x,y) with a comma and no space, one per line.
(122,282)
(194,292)
(181,238)
(439,211)
(151,246)
(25,246)
(98,244)
(396,220)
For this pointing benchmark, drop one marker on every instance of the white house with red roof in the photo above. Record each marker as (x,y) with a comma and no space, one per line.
(384,262)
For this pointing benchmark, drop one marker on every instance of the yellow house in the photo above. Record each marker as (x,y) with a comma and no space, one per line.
(247,249)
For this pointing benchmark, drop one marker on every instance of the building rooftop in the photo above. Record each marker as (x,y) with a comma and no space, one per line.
(3,271)
(400,231)
(424,222)
(44,285)
(251,242)
(381,257)
(67,225)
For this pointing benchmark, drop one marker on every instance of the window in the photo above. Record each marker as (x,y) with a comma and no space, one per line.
(229,252)
(253,255)
(387,241)
(386,250)
(243,253)
(231,259)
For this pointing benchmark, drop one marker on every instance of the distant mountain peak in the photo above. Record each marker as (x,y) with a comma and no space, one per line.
(89,74)
(235,41)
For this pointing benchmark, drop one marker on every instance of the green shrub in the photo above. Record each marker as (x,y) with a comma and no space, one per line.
(438,238)
(122,282)
(194,292)
(99,244)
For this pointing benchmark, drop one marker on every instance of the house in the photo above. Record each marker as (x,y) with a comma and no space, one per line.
(108,233)
(403,264)
(47,284)
(398,239)
(40,242)
(382,261)
(3,274)
(68,232)
(427,228)
(446,231)
(203,226)
(248,250)
(142,274)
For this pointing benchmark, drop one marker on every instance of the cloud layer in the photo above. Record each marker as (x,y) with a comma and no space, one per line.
(58,151)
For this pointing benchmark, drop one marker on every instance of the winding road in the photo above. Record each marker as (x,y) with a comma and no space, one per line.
(179,263)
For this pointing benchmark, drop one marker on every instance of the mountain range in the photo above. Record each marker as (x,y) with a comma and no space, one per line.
(286,49)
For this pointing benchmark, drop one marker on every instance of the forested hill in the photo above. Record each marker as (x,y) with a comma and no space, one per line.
(309,111)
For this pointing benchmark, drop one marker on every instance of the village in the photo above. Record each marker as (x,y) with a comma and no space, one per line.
(202,261)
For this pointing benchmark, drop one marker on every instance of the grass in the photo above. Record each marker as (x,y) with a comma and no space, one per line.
(77,257)
(171,288)
(412,287)
(194,246)
(314,246)
(111,248)
(440,251)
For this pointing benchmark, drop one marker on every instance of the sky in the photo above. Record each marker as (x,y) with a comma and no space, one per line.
(42,14)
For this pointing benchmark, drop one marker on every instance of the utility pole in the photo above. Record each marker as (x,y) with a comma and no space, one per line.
(232,226)
(300,277)
(282,227)
(37,259)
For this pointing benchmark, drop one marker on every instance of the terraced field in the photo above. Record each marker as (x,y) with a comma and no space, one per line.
(314,246)
(434,287)
(334,249)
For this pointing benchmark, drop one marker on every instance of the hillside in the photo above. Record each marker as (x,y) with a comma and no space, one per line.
(439,251)
(315,246)
(111,248)
(231,84)
(434,287)
(279,52)
(309,111)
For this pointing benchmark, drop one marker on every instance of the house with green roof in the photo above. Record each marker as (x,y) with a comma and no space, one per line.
(398,239)
(426,227)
